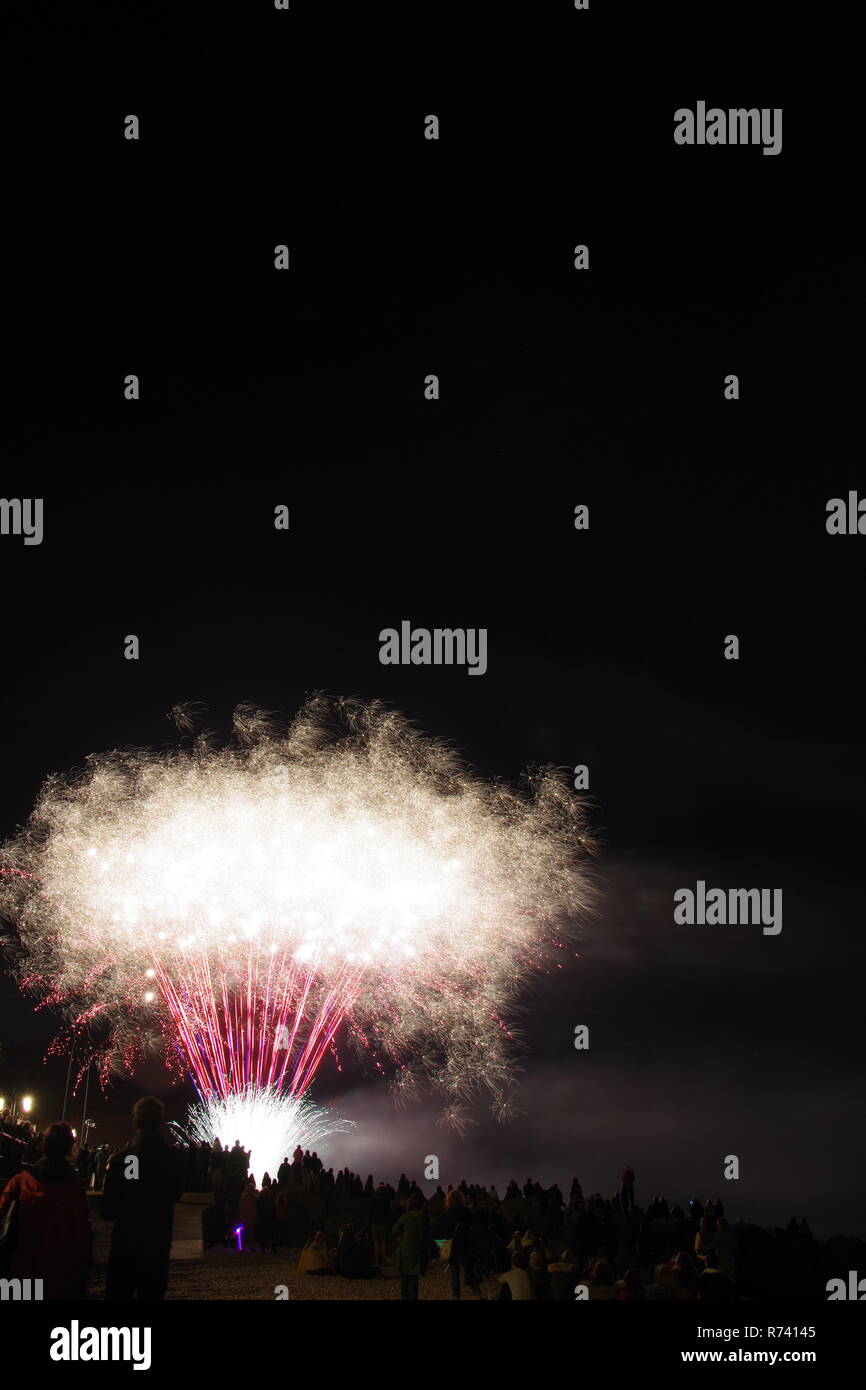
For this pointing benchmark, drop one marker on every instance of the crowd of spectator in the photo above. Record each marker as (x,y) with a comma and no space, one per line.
(21,1145)
(531,1242)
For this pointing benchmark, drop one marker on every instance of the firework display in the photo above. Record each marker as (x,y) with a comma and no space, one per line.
(240,906)
(271,1122)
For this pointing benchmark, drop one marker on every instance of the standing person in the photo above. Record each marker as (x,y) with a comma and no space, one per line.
(706,1239)
(412,1230)
(248,1209)
(266,1218)
(539,1277)
(99,1168)
(626,1194)
(82,1163)
(380,1216)
(281,1212)
(458,1225)
(142,1184)
(726,1249)
(232,1215)
(54,1240)
(237,1162)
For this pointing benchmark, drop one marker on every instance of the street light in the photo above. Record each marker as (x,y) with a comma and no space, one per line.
(17,1106)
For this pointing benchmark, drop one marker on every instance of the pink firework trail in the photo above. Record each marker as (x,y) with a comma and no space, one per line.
(252,1037)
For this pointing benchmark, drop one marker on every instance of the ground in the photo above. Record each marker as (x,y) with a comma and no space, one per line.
(227,1274)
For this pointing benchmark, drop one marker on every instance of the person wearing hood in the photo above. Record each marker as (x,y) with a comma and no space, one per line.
(52,1239)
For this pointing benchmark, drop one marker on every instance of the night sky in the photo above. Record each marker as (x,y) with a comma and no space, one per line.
(558,387)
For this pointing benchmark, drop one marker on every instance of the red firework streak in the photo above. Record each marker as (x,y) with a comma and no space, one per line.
(269,1028)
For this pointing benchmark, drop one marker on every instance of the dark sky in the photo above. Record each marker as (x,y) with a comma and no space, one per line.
(707,517)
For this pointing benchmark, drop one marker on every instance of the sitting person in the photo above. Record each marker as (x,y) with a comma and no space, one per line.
(515,1242)
(355,1255)
(665,1288)
(539,1276)
(684,1276)
(517,1283)
(630,1286)
(315,1255)
(563,1277)
(713,1283)
(600,1281)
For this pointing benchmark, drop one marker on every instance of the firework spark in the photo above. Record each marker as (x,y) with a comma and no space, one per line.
(270,1123)
(246,901)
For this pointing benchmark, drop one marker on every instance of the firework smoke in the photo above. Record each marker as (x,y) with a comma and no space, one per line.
(241,903)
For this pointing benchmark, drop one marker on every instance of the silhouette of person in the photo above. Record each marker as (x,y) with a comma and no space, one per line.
(142,1184)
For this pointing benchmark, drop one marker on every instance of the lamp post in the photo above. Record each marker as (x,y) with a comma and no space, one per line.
(68,1075)
(84,1110)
